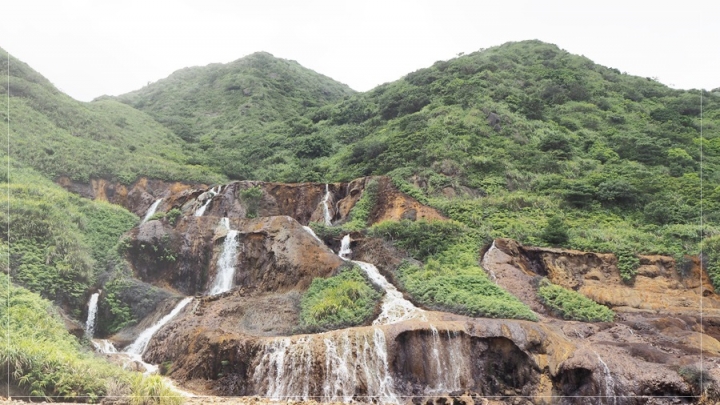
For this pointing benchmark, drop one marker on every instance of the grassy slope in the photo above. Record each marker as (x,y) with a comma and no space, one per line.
(59,243)
(58,136)
(43,359)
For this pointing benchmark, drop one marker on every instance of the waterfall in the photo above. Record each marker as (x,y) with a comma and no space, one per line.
(395,308)
(209,196)
(151,210)
(345,247)
(311,232)
(353,359)
(226,263)
(104,346)
(448,362)
(287,368)
(140,344)
(92,311)
(486,267)
(326,206)
(609,381)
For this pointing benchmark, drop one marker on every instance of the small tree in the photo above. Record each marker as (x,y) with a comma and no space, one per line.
(555,233)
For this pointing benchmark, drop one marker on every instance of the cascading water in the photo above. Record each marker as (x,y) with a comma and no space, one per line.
(311,232)
(287,368)
(326,206)
(210,195)
(487,268)
(92,312)
(345,247)
(226,262)
(353,359)
(104,346)
(140,344)
(395,308)
(151,210)
(609,382)
(448,362)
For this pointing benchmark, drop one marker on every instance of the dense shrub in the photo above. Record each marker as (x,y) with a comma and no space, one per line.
(44,360)
(360,213)
(420,239)
(555,233)
(572,305)
(347,299)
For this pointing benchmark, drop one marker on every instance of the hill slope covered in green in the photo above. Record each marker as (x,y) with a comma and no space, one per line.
(503,140)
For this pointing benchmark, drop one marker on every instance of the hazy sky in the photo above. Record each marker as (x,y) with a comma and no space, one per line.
(90,48)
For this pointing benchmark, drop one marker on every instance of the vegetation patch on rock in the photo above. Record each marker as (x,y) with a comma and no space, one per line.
(572,305)
(344,300)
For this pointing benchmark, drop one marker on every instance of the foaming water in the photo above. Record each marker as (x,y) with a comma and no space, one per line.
(345,250)
(355,367)
(326,206)
(395,308)
(140,344)
(210,195)
(92,314)
(226,262)
(151,211)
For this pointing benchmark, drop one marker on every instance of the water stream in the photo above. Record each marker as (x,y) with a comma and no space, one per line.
(151,210)
(355,367)
(345,250)
(92,313)
(326,206)
(609,382)
(487,268)
(137,348)
(209,196)
(226,262)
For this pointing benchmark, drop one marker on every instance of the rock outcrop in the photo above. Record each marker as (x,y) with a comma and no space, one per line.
(247,340)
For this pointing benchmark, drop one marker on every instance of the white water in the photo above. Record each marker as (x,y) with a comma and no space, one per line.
(326,206)
(226,264)
(140,344)
(345,247)
(609,382)
(395,308)
(104,346)
(311,232)
(449,363)
(151,210)
(485,266)
(211,194)
(225,222)
(92,312)
(287,368)
(353,359)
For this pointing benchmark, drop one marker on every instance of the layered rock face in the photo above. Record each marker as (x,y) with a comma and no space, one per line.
(246,340)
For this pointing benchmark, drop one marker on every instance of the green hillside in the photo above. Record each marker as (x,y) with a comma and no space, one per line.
(238,114)
(502,140)
(59,136)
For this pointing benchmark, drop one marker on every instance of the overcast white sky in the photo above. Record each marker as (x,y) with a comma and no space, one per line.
(88,48)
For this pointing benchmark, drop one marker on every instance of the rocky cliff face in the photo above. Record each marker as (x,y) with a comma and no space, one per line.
(246,341)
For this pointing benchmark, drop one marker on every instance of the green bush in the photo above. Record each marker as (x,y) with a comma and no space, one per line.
(627,263)
(421,239)
(251,197)
(157,215)
(345,300)
(44,360)
(711,253)
(173,215)
(572,305)
(360,213)
(555,233)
